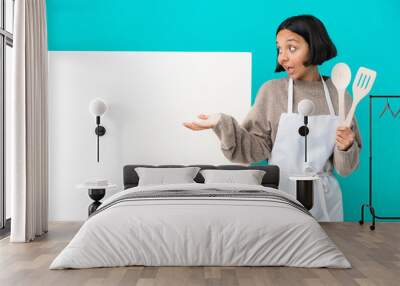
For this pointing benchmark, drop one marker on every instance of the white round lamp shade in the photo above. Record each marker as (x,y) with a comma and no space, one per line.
(306,107)
(97,107)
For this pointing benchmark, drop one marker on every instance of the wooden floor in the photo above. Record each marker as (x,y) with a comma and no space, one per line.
(374,255)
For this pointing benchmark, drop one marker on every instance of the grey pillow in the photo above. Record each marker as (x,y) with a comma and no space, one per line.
(163,176)
(248,177)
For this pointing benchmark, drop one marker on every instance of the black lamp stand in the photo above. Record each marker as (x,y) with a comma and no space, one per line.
(303,131)
(100,131)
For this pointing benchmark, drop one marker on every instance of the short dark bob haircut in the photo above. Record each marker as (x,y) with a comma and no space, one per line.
(321,47)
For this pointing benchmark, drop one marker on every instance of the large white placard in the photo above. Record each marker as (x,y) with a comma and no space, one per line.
(149,95)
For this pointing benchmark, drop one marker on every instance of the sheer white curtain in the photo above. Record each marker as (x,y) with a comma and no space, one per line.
(28,161)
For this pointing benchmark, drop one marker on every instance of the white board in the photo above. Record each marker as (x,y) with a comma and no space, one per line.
(149,95)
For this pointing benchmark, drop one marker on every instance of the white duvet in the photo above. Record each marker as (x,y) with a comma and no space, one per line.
(200,231)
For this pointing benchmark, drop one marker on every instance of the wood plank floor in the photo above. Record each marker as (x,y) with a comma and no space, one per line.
(374,255)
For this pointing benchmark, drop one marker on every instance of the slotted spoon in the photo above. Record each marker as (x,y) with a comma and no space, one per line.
(362,85)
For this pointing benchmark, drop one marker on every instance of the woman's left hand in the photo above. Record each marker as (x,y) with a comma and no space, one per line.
(344,138)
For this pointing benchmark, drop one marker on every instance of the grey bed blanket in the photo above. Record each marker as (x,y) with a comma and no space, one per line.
(201,225)
(205,193)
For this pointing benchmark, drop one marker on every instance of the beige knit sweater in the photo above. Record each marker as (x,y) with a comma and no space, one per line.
(252,141)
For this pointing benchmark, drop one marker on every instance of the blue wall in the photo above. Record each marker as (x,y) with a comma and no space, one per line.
(365,33)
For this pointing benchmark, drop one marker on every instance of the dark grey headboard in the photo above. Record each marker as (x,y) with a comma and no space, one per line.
(270,179)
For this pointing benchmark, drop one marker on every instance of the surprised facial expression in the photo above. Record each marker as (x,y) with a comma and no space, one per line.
(293,52)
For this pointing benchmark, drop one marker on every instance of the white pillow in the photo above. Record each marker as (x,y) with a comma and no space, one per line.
(164,176)
(248,177)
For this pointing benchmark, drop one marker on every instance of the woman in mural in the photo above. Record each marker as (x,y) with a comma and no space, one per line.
(270,129)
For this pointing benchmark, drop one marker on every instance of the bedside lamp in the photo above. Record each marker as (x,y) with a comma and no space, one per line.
(304,184)
(306,108)
(97,107)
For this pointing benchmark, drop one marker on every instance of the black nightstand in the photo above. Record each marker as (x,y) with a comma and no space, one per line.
(96,193)
(304,189)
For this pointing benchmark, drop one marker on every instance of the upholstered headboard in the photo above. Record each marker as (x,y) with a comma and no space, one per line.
(270,179)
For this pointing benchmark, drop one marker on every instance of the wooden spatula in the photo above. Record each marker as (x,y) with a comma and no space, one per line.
(362,85)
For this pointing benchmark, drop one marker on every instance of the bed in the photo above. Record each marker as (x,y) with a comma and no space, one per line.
(201,224)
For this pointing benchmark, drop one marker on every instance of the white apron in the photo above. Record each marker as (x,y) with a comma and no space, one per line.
(288,154)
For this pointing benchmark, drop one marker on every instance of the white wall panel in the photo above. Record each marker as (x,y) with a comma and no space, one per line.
(149,95)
